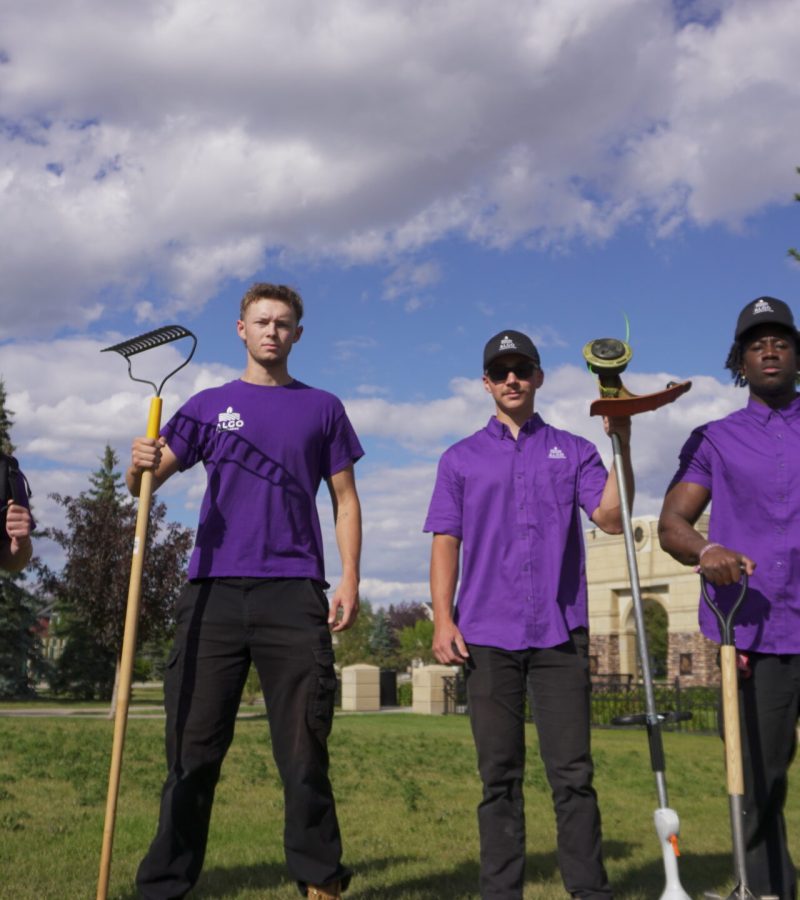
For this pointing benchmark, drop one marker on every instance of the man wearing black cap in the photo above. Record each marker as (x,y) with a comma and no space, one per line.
(509,497)
(749,464)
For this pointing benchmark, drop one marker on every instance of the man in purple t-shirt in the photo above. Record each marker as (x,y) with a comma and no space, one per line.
(508,499)
(256,594)
(748,466)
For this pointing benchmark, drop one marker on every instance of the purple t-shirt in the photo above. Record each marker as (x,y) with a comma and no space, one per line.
(515,507)
(265,451)
(750,462)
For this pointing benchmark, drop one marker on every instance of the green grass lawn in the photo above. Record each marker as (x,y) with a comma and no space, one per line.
(406,789)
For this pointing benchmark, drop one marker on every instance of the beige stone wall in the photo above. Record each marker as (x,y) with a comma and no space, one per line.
(676,587)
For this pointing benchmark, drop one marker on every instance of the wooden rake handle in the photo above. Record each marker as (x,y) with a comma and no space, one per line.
(128,654)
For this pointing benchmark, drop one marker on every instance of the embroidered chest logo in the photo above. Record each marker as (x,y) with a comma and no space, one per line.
(229,420)
(556,453)
(761,307)
(507,344)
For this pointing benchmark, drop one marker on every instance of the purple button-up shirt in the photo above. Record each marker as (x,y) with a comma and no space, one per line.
(750,462)
(514,504)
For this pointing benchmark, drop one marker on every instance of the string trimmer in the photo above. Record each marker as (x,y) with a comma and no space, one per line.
(608,358)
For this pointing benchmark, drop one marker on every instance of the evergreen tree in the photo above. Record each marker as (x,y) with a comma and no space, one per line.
(382,641)
(91,590)
(21,662)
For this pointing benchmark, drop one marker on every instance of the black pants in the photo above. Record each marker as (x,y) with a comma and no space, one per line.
(557,681)
(769,708)
(223,624)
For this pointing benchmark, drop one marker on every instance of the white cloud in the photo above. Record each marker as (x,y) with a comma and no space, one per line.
(408,278)
(423,427)
(68,400)
(160,149)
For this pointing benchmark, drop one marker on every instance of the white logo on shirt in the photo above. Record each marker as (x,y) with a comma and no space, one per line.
(229,420)
(507,344)
(556,453)
(761,307)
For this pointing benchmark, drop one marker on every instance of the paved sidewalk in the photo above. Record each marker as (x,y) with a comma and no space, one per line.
(149,712)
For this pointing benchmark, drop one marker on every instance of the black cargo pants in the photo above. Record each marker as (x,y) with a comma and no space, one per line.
(222,625)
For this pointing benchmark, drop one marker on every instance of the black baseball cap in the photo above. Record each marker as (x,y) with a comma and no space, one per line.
(764,310)
(507,342)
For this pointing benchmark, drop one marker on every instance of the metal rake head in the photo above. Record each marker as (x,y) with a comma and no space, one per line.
(148,341)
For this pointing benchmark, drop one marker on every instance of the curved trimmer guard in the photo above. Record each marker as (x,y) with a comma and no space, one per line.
(627,404)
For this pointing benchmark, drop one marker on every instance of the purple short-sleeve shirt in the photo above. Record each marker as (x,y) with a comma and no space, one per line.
(515,505)
(750,463)
(265,451)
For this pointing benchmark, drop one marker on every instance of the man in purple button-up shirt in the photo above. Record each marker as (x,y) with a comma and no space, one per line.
(509,498)
(748,464)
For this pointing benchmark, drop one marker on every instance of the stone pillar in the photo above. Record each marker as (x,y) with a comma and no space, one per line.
(427,688)
(361,688)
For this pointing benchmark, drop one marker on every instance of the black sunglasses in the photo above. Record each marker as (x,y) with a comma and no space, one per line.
(497,374)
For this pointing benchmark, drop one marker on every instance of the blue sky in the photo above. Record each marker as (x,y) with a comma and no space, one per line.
(426,175)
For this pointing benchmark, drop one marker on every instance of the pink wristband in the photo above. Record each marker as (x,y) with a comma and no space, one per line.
(706,549)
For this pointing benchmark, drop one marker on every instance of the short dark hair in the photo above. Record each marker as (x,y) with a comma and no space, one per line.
(263,290)
(735,360)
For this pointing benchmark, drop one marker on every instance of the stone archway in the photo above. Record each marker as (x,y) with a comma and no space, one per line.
(656,622)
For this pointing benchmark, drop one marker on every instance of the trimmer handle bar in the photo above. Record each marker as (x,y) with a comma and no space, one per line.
(641,718)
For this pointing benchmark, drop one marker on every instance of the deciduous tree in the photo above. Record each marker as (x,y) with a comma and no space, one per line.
(92,588)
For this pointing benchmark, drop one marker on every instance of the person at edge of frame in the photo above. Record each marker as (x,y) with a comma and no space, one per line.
(256,592)
(16,523)
(748,465)
(509,497)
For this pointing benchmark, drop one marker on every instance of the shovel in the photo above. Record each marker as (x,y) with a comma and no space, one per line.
(733,741)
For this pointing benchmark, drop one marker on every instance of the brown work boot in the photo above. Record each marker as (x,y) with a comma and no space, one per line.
(330,891)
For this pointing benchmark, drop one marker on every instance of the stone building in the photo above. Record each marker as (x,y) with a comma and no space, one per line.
(675,587)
